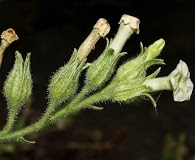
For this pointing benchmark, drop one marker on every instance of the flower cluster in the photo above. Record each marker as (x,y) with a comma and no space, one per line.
(130,82)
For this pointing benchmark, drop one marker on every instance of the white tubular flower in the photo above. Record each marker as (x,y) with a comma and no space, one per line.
(181,82)
(178,81)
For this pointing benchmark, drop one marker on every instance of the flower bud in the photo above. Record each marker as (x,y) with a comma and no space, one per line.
(18,85)
(129,82)
(137,67)
(132,69)
(154,49)
(64,82)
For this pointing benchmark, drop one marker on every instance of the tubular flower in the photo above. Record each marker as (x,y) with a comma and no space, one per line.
(181,82)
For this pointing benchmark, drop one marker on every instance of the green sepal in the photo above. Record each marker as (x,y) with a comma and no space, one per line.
(101,69)
(128,95)
(155,74)
(64,82)
(131,69)
(150,98)
(152,62)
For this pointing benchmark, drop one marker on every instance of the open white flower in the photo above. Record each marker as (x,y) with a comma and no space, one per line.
(181,82)
(178,81)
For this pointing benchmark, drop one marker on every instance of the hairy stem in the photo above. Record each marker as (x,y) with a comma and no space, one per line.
(10,122)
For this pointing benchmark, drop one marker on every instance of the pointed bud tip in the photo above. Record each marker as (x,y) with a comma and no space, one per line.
(155,49)
(160,43)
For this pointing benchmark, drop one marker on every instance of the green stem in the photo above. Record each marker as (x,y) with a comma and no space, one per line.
(103,95)
(10,122)
(48,118)
(44,121)
(71,107)
(32,128)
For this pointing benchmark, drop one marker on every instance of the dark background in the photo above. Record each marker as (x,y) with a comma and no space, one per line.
(51,29)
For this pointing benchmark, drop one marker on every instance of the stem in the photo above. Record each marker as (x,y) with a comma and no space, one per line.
(44,121)
(32,128)
(50,109)
(10,122)
(103,95)
(48,118)
(71,107)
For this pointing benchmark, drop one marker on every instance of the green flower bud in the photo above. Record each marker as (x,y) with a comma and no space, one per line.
(128,83)
(132,69)
(155,49)
(138,66)
(18,85)
(102,68)
(64,82)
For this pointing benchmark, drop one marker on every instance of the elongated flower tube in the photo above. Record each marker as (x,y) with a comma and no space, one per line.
(100,29)
(178,81)
(101,69)
(128,25)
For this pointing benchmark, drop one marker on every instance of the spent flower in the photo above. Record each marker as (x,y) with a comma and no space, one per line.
(64,82)
(101,69)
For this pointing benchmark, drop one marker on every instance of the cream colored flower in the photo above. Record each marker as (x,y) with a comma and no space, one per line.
(181,82)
